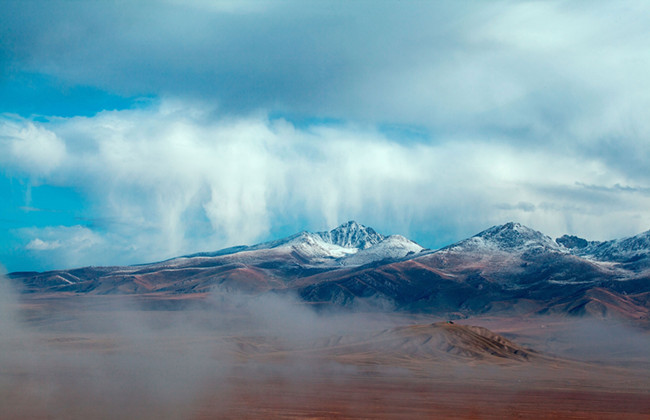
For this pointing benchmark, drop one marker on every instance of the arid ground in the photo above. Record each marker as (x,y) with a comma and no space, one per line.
(109,357)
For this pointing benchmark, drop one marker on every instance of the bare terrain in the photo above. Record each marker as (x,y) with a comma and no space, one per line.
(261,357)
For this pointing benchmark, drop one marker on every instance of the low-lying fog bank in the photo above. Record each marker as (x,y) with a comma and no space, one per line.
(232,354)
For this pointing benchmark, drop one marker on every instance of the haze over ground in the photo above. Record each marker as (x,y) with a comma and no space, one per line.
(237,355)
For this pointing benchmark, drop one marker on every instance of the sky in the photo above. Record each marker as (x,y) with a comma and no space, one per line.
(132,132)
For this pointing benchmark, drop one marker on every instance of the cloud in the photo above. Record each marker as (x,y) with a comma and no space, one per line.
(173,179)
(533,67)
(68,246)
(29,148)
(616,188)
(521,105)
(523,206)
(40,245)
(537,75)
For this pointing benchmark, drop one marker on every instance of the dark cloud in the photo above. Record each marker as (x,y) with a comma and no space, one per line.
(531,72)
(616,188)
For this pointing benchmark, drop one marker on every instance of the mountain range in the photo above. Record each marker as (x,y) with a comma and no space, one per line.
(505,269)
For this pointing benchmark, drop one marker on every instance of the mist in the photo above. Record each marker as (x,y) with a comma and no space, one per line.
(233,354)
(120,357)
(607,340)
(87,359)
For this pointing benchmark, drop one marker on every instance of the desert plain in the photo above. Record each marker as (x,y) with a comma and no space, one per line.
(242,356)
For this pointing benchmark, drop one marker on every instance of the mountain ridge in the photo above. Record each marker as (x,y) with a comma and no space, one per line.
(506,267)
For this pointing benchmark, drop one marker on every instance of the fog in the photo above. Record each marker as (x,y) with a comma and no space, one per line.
(613,341)
(129,357)
(99,362)
(119,357)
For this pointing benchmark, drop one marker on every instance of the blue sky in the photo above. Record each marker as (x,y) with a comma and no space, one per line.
(138,131)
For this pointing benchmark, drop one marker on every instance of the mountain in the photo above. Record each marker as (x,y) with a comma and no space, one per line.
(324,247)
(631,253)
(504,268)
(258,268)
(574,243)
(352,235)
(516,256)
(507,268)
(390,248)
(508,237)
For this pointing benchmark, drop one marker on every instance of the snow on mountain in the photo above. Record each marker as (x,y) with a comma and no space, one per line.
(312,245)
(320,248)
(506,266)
(339,244)
(392,247)
(351,244)
(629,249)
(352,235)
(510,237)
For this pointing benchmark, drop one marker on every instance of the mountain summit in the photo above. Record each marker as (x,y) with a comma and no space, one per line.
(510,237)
(352,235)
(515,235)
(348,240)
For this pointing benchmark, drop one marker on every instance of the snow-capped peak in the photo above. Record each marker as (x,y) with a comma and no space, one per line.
(352,235)
(347,238)
(348,244)
(314,246)
(515,235)
(508,237)
(392,247)
(333,247)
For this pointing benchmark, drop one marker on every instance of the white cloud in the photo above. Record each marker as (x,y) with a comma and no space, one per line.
(174,183)
(29,148)
(536,112)
(38,244)
(69,246)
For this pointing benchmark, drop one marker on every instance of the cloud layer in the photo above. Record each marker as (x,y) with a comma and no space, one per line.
(433,120)
(172,179)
